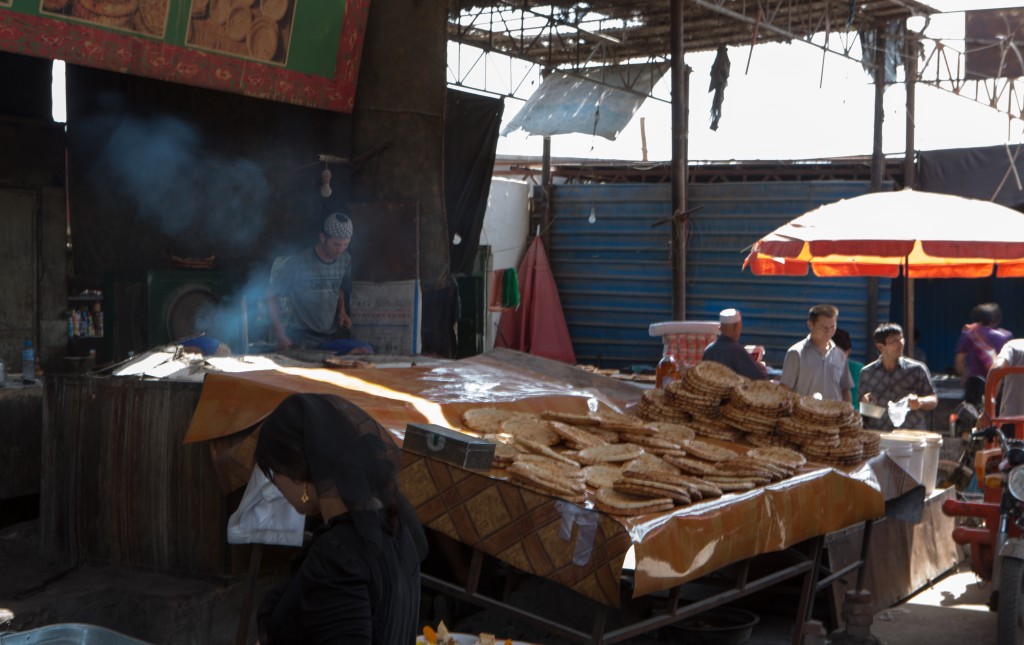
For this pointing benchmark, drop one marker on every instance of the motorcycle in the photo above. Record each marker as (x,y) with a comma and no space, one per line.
(997,545)
(962,423)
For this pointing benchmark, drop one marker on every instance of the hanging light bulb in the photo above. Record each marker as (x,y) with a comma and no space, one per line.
(325,183)
(593,215)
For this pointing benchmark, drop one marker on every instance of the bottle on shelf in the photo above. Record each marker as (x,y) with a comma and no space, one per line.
(28,363)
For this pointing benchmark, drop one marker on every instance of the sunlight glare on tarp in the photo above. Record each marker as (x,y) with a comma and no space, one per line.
(432,411)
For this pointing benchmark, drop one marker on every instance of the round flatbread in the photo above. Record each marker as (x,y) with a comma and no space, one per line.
(614,452)
(239,23)
(613,502)
(650,463)
(263,39)
(488,420)
(640,488)
(154,16)
(504,450)
(589,419)
(531,428)
(573,435)
(777,455)
(674,432)
(561,468)
(111,8)
(601,475)
(708,451)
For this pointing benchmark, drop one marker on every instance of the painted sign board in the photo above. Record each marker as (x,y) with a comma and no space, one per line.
(304,52)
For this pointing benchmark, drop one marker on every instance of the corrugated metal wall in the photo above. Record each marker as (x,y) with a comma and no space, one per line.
(613,273)
(614,276)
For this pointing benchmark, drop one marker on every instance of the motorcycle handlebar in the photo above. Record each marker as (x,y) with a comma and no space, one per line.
(989,433)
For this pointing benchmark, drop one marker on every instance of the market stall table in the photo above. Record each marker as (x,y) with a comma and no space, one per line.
(538,533)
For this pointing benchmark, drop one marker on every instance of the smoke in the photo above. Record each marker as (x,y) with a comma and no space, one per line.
(161,166)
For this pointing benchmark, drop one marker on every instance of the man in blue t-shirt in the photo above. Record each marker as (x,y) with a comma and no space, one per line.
(317,282)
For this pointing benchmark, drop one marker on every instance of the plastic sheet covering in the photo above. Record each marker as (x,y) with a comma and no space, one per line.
(525,528)
(597,101)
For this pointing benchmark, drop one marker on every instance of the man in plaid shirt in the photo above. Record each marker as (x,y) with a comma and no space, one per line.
(894,377)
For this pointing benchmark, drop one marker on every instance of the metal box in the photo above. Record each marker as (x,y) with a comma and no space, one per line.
(449,445)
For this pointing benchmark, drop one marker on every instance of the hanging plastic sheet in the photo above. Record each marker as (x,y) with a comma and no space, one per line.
(598,101)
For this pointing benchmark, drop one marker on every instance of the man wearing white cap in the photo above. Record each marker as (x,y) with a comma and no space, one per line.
(318,282)
(727,350)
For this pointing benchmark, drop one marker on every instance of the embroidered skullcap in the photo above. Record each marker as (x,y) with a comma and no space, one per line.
(338,225)
(729,317)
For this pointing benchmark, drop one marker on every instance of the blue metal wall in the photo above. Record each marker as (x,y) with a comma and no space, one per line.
(733,217)
(614,276)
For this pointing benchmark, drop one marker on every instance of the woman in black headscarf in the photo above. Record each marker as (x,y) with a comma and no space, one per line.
(358,579)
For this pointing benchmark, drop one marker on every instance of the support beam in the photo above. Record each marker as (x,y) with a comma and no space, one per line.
(680,159)
(909,174)
(877,174)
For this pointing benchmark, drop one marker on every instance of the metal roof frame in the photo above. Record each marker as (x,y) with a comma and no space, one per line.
(566,35)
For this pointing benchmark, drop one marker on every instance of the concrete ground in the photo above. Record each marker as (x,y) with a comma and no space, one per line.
(953,610)
(162,609)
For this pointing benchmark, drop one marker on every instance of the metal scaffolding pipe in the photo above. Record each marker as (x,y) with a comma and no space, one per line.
(680,135)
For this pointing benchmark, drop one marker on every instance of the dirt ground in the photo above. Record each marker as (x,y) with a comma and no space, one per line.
(168,610)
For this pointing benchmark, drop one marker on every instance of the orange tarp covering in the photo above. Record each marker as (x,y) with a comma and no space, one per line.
(522,527)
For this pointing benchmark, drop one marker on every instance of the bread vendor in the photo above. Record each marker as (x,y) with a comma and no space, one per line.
(727,350)
(317,283)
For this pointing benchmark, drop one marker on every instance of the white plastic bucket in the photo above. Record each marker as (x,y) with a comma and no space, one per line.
(900,453)
(912,444)
(930,463)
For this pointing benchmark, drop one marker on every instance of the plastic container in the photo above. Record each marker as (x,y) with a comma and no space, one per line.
(28,362)
(913,449)
(68,634)
(930,463)
(900,453)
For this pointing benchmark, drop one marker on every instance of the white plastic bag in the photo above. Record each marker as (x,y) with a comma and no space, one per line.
(264,516)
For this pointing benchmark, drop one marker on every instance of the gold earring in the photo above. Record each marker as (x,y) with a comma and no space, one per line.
(305,493)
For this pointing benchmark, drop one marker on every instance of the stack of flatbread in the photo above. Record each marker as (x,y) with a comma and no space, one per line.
(631,467)
(654,406)
(755,407)
(826,431)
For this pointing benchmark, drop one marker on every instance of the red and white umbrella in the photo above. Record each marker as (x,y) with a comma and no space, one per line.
(918,234)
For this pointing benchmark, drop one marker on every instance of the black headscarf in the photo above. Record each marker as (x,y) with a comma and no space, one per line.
(344,453)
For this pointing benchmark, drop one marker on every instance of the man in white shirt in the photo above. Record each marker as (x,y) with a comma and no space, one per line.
(815,365)
(1011,355)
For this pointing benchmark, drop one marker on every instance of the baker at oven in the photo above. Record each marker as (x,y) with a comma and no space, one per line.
(317,284)
(727,350)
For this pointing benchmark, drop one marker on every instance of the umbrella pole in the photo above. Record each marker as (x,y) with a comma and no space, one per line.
(908,308)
